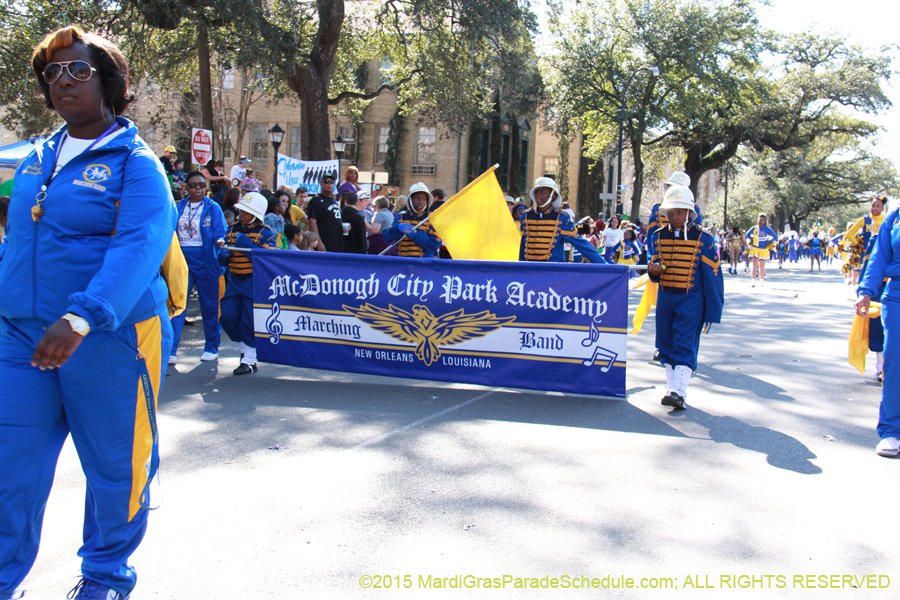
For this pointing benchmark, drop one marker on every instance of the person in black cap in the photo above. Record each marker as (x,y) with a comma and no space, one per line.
(324,216)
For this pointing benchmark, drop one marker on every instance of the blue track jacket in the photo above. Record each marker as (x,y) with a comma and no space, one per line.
(212,229)
(107,225)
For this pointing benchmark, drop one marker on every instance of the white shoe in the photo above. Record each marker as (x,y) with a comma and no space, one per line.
(210,356)
(173,359)
(762,283)
(889,446)
(753,284)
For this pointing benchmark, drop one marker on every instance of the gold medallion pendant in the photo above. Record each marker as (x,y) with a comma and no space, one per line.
(36,213)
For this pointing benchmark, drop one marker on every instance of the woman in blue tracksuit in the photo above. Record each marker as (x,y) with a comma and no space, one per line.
(200,226)
(84,328)
(884,264)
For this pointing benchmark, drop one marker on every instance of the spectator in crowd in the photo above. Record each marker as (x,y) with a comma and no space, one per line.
(302,196)
(324,216)
(354,224)
(250,183)
(310,242)
(380,223)
(166,160)
(612,236)
(600,225)
(179,178)
(274,217)
(229,217)
(292,214)
(213,175)
(239,171)
(399,205)
(200,227)
(350,183)
(231,197)
(566,209)
(217,193)
(439,199)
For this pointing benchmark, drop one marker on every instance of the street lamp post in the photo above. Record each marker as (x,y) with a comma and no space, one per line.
(339,145)
(655,71)
(276,134)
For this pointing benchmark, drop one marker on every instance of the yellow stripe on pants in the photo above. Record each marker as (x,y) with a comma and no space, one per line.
(149,342)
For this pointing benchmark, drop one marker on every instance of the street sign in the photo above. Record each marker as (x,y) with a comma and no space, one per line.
(201,145)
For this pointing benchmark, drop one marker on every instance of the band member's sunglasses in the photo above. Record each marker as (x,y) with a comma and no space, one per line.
(197,184)
(78,70)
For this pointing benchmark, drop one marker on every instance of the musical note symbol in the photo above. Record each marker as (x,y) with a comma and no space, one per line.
(594,336)
(604,354)
(273,325)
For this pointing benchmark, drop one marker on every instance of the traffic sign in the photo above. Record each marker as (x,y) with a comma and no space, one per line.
(201,145)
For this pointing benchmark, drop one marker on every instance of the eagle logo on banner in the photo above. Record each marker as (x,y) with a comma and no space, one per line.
(425,330)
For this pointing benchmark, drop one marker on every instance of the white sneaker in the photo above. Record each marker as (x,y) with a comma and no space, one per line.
(173,359)
(889,446)
(209,356)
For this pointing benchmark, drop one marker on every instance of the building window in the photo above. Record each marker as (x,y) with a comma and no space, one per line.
(383,69)
(425,143)
(551,166)
(383,134)
(260,143)
(295,141)
(228,79)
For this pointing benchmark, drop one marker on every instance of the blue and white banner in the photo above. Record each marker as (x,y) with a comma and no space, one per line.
(542,326)
(294,172)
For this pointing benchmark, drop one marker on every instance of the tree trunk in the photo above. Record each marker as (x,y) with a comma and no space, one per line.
(515,160)
(312,79)
(638,185)
(590,184)
(205,75)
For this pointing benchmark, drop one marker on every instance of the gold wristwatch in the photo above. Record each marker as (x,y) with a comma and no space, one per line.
(78,324)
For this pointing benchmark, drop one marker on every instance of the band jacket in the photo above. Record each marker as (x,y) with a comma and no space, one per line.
(884,262)
(255,235)
(423,243)
(544,236)
(212,229)
(97,249)
(691,267)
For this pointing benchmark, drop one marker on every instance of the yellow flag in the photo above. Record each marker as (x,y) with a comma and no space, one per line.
(475,223)
(858,344)
(648,301)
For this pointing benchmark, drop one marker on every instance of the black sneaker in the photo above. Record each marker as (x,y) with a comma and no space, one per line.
(245,369)
(674,400)
(655,354)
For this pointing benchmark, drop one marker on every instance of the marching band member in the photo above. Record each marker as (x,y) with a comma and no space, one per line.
(545,230)
(237,304)
(884,263)
(415,240)
(685,263)
(759,238)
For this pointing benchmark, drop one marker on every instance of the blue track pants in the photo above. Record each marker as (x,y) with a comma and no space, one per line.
(679,321)
(237,311)
(889,412)
(96,396)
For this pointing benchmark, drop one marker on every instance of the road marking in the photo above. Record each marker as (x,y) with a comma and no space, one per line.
(384,436)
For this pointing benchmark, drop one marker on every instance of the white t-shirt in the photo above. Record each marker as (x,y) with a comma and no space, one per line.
(611,237)
(71,147)
(189,225)
(238,172)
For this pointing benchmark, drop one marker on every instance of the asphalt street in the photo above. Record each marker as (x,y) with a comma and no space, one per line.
(293,483)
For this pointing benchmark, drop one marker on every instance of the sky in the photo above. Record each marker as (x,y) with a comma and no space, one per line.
(868,23)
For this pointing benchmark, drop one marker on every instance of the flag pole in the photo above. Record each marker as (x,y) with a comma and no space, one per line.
(454,197)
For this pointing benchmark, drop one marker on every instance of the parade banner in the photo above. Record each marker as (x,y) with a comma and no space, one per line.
(294,172)
(542,326)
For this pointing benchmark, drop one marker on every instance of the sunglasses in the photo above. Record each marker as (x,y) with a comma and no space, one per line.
(78,70)
(197,184)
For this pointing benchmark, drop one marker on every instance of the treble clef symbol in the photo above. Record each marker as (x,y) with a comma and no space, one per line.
(273,325)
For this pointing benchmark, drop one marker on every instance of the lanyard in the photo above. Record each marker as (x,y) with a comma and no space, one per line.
(37,211)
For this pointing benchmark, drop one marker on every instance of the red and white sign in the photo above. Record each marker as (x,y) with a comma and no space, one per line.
(201,145)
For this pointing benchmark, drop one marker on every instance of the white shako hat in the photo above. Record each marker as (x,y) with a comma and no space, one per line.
(418,187)
(679,178)
(547,182)
(253,203)
(679,197)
